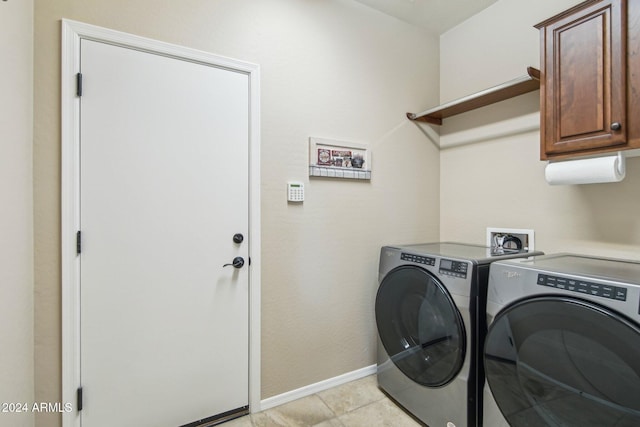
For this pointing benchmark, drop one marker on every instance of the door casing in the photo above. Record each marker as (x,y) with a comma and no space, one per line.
(72,33)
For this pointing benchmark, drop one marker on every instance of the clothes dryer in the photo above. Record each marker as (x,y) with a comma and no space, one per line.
(431,321)
(563,345)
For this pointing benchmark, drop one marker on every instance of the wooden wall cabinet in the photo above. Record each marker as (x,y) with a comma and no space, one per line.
(589,79)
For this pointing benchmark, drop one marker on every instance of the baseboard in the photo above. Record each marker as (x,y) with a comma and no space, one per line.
(310,389)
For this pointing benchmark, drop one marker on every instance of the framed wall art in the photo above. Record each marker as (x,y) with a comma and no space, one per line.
(338,159)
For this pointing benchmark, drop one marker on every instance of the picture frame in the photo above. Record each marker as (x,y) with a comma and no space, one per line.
(338,159)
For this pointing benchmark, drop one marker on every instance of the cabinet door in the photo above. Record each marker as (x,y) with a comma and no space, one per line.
(583,85)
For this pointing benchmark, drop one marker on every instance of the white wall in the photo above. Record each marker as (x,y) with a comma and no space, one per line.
(330,68)
(501,176)
(16,212)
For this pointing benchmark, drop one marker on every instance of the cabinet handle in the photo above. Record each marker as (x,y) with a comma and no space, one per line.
(616,126)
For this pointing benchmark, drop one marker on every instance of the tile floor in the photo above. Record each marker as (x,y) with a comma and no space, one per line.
(355,404)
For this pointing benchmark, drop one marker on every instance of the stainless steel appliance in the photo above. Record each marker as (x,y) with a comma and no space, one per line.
(431,320)
(563,345)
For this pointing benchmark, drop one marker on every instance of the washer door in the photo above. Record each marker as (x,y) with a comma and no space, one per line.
(419,326)
(562,361)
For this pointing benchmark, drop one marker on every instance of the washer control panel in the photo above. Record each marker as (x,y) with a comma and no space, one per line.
(453,268)
(418,259)
(584,287)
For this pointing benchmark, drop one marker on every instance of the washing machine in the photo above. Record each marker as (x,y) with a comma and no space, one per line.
(563,344)
(430,316)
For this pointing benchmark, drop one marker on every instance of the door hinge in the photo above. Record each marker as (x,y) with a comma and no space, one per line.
(79,84)
(78,242)
(79,399)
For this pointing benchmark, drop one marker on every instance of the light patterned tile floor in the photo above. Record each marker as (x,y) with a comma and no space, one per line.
(356,404)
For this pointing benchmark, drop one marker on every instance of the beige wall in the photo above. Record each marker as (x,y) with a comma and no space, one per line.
(16,212)
(330,68)
(501,177)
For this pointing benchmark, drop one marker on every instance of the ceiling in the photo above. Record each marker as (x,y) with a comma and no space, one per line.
(436,16)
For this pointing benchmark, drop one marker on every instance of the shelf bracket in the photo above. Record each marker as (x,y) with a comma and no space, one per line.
(425,119)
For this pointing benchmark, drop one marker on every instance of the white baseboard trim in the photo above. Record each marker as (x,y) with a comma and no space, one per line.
(310,389)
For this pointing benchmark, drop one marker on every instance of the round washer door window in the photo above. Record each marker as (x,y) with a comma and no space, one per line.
(562,361)
(420,327)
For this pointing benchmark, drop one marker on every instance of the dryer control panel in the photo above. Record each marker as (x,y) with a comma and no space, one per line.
(418,258)
(582,286)
(453,268)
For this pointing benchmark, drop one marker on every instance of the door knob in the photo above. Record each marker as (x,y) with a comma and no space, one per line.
(616,126)
(237,262)
(238,238)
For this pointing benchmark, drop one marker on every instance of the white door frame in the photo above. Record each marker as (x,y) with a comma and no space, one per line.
(72,33)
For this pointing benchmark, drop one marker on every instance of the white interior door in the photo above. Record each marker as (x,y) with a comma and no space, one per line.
(163,189)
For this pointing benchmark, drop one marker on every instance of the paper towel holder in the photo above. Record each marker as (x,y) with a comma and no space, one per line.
(621,163)
(578,171)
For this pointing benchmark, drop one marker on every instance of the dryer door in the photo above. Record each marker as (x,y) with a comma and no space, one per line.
(563,361)
(419,326)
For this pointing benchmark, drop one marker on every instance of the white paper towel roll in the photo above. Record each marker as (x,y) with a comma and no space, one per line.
(586,171)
